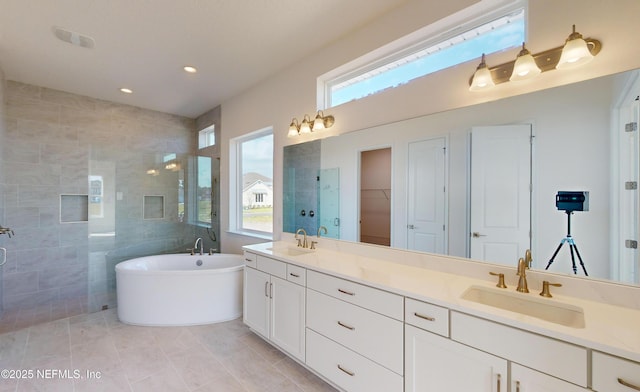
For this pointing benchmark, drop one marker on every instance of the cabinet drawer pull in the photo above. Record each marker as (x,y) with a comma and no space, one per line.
(498,388)
(270,290)
(346,371)
(340,323)
(266,289)
(294,275)
(628,385)
(346,292)
(248,260)
(517,386)
(424,317)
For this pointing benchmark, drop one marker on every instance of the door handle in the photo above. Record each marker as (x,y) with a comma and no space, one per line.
(475,234)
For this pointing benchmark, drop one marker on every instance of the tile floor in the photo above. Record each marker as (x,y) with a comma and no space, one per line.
(223,357)
(26,316)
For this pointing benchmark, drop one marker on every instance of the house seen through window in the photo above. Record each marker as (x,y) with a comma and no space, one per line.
(255,182)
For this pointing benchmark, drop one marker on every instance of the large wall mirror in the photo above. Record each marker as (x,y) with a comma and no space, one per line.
(449,172)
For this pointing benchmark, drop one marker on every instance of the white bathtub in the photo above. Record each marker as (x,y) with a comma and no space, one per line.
(173,289)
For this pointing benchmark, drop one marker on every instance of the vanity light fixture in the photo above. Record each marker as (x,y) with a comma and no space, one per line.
(294,128)
(574,52)
(482,78)
(173,166)
(307,125)
(525,66)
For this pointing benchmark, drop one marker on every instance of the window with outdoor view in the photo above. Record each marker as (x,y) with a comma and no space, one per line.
(254,182)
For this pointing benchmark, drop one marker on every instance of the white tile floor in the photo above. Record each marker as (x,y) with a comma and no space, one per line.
(223,357)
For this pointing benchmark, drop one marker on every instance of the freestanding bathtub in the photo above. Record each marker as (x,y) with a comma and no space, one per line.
(179,289)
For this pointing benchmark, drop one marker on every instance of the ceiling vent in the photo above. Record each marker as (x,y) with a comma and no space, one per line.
(73,38)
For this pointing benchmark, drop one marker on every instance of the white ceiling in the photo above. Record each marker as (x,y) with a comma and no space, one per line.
(143,45)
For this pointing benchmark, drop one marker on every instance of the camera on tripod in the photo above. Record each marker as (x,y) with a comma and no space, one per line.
(572,201)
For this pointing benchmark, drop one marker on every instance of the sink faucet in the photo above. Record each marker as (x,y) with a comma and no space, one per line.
(304,243)
(322,228)
(195,246)
(527,258)
(522,273)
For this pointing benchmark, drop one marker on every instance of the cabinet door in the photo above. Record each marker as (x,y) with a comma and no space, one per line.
(434,363)
(527,380)
(288,316)
(613,374)
(256,301)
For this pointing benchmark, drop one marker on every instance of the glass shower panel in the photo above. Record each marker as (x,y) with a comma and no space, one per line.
(329,201)
(120,228)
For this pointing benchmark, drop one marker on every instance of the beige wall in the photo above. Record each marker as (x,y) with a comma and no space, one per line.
(549,24)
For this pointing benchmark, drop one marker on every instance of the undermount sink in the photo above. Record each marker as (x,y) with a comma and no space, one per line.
(290,251)
(545,309)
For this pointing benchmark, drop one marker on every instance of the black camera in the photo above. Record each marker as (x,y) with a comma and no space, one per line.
(572,201)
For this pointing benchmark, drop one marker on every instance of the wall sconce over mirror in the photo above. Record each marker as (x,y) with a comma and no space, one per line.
(575,52)
(307,126)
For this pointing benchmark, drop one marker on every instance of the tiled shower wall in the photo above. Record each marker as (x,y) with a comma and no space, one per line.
(53,142)
(302,164)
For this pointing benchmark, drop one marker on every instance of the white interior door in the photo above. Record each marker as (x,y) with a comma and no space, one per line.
(500,200)
(629,201)
(426,209)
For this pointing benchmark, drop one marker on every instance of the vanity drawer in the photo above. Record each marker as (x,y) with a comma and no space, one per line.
(370,334)
(347,369)
(426,316)
(368,297)
(296,274)
(563,360)
(272,267)
(613,374)
(250,259)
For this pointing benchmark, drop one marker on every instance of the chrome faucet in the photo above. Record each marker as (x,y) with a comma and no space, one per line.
(195,246)
(522,273)
(304,243)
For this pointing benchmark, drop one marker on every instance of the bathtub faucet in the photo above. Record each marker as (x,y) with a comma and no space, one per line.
(195,247)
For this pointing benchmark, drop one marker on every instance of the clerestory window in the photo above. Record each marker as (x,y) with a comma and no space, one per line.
(494,31)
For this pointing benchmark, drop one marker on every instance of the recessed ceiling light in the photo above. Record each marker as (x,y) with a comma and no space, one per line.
(126,90)
(190,69)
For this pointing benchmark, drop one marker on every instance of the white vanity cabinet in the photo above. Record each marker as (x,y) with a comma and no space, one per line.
(274,306)
(354,334)
(436,363)
(613,374)
(556,358)
(365,338)
(524,379)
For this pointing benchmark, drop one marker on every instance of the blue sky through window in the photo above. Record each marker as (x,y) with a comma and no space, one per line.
(257,156)
(506,36)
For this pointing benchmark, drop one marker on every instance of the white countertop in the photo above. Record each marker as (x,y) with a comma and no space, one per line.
(608,328)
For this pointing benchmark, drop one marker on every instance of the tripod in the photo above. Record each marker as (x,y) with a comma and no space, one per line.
(572,246)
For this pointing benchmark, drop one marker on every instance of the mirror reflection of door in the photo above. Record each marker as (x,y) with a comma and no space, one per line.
(625,258)
(375,196)
(500,200)
(426,197)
